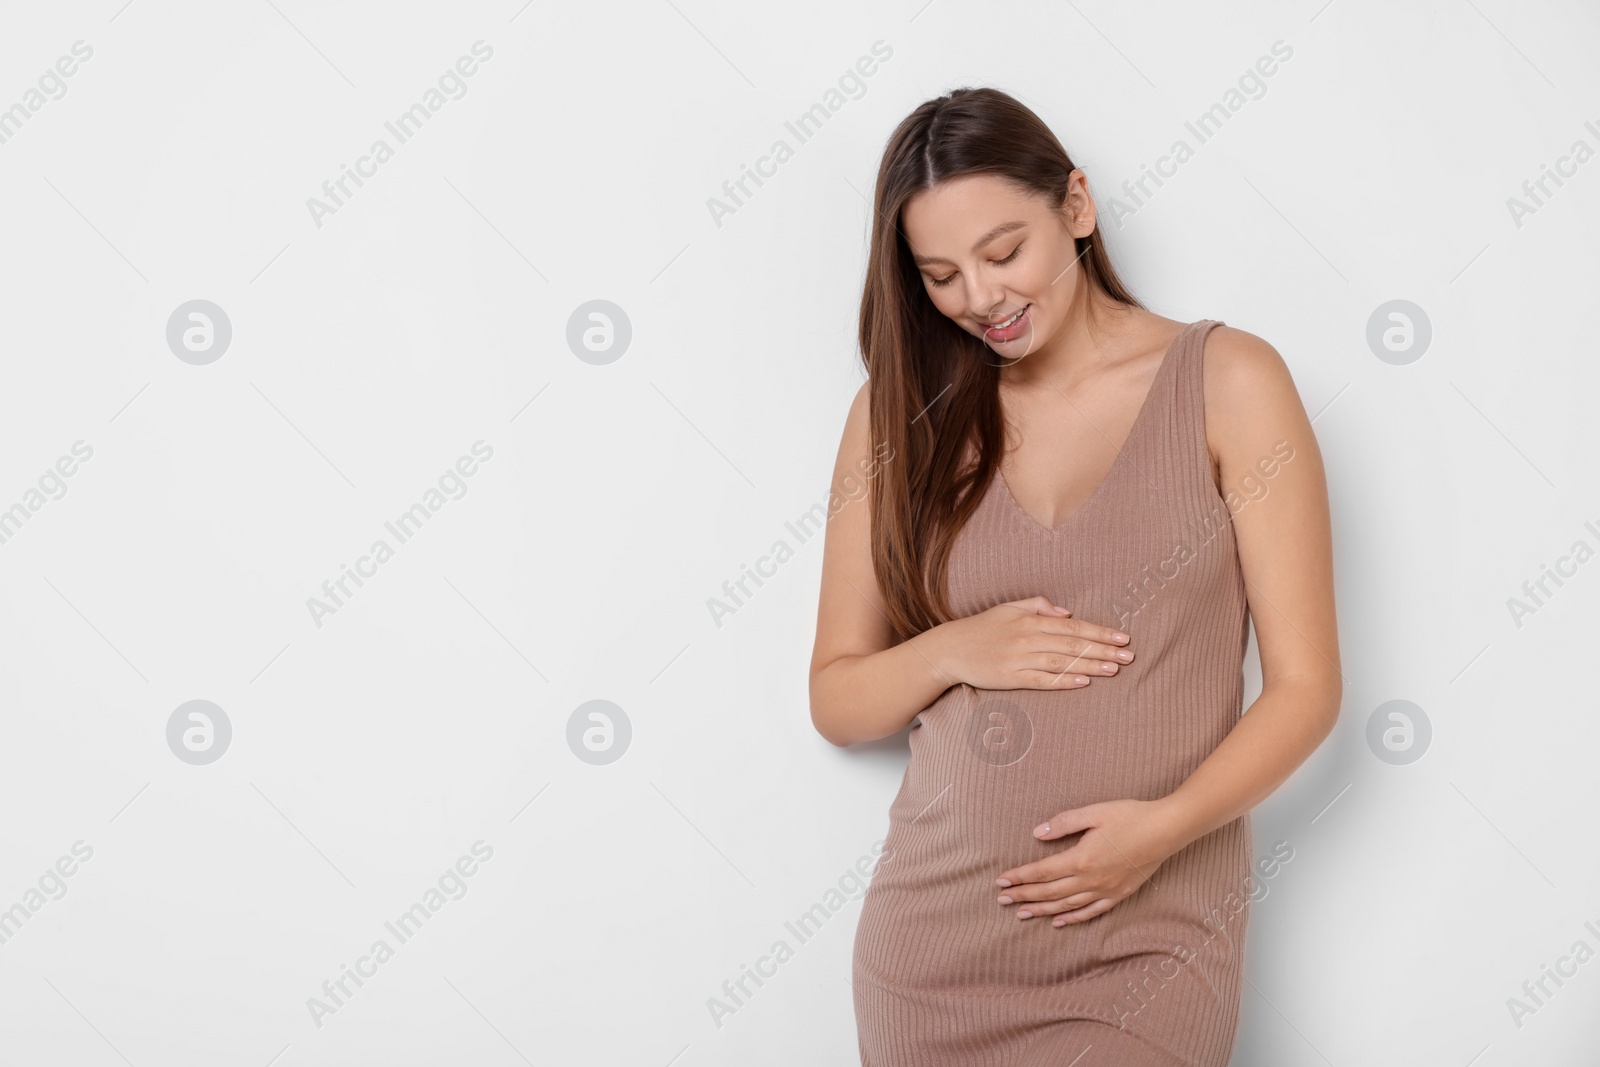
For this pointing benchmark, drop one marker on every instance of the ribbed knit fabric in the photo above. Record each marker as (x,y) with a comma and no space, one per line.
(944,975)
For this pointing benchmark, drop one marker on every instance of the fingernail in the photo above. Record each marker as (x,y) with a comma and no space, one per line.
(1042,828)
(1119,636)
(1005,900)
(1024,914)
(1003,883)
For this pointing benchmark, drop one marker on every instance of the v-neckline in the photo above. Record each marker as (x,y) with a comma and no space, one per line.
(1116,464)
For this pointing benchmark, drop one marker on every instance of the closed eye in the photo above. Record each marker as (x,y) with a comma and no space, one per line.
(999,262)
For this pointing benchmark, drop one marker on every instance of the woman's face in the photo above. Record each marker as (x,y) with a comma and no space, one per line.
(989,250)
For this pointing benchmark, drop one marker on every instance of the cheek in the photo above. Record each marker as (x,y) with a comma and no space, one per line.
(1036,284)
(947,300)
(1050,280)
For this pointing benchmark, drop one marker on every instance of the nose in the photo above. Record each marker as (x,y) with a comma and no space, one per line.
(985,297)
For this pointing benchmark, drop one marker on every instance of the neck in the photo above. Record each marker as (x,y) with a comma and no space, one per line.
(1075,350)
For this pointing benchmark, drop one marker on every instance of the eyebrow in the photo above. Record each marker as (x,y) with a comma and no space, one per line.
(1003,228)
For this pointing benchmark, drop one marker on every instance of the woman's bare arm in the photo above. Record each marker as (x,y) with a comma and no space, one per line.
(1285,551)
(863,685)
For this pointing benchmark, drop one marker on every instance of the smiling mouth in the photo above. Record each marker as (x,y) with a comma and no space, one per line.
(1007,322)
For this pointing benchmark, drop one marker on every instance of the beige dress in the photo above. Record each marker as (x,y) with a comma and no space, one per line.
(944,975)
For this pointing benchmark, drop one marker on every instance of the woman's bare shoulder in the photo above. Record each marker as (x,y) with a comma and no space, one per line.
(1251,401)
(1244,369)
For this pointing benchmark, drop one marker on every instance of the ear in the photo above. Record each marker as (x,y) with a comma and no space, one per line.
(1079,205)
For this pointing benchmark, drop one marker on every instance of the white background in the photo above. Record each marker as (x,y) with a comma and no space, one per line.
(430,311)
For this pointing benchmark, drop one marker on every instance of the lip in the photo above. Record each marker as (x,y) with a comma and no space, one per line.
(1012,332)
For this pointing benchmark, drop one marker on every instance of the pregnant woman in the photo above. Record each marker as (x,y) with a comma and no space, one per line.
(1075,507)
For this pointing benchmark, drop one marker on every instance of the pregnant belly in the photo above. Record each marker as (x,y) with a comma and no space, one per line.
(988,766)
(999,751)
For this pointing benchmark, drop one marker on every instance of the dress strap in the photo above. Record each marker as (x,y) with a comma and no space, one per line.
(1192,453)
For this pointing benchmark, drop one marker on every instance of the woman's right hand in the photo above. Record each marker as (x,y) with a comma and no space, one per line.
(1031,644)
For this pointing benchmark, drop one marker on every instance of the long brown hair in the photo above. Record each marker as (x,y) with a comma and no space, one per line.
(935,389)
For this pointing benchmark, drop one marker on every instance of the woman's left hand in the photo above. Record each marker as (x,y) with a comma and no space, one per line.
(1125,843)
